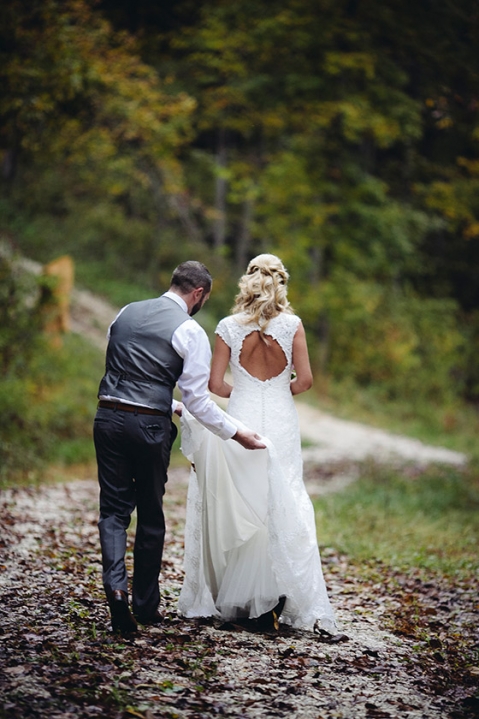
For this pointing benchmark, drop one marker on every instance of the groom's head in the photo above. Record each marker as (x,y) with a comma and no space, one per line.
(193,282)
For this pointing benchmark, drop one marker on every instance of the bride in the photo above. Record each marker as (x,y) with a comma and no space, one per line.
(250,547)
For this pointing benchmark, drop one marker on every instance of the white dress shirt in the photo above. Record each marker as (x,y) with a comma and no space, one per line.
(190,341)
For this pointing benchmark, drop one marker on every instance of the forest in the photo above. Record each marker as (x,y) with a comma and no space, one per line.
(342,135)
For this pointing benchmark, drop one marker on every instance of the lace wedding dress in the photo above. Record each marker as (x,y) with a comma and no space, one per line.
(250,525)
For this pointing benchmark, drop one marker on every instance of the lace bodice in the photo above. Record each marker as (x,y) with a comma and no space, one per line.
(265,406)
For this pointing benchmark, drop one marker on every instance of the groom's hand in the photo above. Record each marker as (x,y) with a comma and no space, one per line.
(179,409)
(249,439)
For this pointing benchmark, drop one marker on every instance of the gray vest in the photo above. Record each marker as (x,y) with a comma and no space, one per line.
(141,365)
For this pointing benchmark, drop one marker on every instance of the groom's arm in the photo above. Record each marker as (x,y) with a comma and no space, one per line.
(191,343)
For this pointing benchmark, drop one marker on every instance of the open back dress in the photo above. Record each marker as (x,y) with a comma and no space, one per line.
(250,528)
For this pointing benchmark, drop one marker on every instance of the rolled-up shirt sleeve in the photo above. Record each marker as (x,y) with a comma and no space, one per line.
(191,342)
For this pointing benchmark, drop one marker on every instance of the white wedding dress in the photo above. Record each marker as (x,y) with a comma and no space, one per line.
(250,525)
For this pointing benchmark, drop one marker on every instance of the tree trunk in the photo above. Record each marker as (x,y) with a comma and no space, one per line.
(316,267)
(244,238)
(9,165)
(219,227)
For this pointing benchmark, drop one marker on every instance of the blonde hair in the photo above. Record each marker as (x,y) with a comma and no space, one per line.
(263,291)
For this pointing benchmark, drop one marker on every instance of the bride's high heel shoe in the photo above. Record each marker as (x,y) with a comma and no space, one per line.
(270,620)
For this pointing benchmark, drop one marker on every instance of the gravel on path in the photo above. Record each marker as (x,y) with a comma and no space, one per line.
(59,660)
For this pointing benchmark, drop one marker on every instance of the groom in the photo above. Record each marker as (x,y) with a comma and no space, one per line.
(153,345)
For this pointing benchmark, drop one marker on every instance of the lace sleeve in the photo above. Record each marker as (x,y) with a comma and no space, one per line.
(290,326)
(283,328)
(223,331)
(296,321)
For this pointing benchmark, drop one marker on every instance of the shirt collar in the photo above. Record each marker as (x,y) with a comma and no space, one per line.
(176,298)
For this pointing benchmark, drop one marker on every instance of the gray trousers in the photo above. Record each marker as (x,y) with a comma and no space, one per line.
(133,454)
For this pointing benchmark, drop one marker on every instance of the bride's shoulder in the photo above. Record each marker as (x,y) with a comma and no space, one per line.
(228,327)
(228,321)
(287,320)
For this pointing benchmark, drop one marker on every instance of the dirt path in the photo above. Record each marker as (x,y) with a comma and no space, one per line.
(60,661)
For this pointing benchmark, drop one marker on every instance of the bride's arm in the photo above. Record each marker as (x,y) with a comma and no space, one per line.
(304,377)
(219,365)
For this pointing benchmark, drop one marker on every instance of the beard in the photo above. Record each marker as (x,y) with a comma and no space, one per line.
(196,308)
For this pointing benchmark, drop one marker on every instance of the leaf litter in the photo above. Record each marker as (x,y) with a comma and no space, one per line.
(412,651)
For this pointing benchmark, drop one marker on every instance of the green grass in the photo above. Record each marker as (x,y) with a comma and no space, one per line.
(47,430)
(426,520)
(51,423)
(71,399)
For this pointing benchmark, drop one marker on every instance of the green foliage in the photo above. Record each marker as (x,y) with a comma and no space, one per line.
(47,394)
(411,519)
(93,134)
(20,339)
(472,353)
(406,345)
(48,416)
(322,138)
(20,323)
(67,398)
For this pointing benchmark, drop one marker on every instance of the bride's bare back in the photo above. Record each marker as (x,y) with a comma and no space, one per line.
(261,360)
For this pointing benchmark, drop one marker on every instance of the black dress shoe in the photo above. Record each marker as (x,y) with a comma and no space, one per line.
(122,620)
(269,621)
(155,618)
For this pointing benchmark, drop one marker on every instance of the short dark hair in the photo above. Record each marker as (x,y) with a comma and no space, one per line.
(190,275)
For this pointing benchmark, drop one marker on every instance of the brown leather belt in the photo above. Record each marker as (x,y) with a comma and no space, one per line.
(106,404)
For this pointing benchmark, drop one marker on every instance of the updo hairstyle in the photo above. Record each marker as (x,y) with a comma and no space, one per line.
(263,291)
